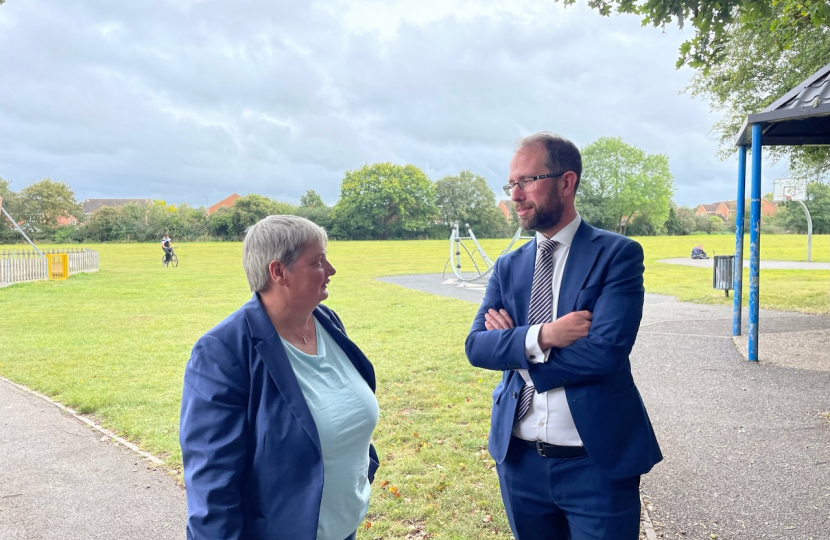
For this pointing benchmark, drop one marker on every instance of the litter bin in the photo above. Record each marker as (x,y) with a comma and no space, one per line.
(722,272)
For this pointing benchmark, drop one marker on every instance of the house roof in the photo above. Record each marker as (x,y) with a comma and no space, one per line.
(92,205)
(711,207)
(227,201)
(799,117)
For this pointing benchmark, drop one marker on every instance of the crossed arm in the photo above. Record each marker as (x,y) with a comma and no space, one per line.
(575,356)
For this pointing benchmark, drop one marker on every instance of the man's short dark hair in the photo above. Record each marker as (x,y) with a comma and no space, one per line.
(561,154)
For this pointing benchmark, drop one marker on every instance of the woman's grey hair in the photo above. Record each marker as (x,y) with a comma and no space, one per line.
(562,154)
(276,238)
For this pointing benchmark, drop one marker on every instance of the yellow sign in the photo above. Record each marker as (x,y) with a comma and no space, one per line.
(58,265)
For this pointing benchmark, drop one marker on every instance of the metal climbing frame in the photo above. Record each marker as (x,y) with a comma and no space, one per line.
(457,246)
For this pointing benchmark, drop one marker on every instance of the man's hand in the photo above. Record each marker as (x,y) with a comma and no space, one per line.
(497,320)
(565,330)
(562,332)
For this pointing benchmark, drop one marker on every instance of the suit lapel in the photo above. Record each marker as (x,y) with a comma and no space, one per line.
(581,258)
(522,279)
(270,349)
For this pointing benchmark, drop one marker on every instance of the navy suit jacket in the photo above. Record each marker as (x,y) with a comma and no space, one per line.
(603,274)
(252,461)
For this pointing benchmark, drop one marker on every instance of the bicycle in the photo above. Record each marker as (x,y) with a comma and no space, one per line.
(174,260)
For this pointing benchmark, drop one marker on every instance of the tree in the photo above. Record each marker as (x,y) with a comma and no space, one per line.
(755,71)
(9,198)
(321,215)
(384,201)
(310,199)
(250,209)
(220,224)
(466,198)
(714,20)
(7,233)
(41,205)
(103,226)
(620,181)
(672,223)
(686,220)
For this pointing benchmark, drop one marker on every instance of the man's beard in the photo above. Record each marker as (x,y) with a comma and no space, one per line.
(544,219)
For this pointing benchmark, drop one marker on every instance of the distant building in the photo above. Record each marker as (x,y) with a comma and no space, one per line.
(504,206)
(91,206)
(726,209)
(227,202)
(63,221)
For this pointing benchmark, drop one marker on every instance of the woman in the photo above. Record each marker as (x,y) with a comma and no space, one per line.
(278,406)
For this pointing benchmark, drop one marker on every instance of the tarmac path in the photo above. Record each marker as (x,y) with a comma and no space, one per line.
(62,480)
(746,445)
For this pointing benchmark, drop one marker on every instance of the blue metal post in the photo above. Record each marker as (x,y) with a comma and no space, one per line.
(738,268)
(754,243)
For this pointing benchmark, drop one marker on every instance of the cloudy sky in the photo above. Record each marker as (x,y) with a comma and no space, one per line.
(192,100)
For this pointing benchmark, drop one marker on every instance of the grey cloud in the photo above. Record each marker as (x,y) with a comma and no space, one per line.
(189,101)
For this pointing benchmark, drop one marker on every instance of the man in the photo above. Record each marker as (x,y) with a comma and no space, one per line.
(698,253)
(168,250)
(569,431)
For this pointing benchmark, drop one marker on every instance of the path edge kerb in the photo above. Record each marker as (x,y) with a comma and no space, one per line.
(120,440)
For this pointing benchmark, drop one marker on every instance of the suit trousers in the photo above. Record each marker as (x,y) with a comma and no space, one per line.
(566,498)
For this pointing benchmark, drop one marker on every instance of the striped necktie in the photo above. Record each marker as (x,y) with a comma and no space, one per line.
(541,308)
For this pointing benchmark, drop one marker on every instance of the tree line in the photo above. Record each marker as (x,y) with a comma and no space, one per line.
(622,189)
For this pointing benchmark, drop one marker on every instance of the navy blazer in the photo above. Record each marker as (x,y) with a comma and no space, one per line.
(253,466)
(603,274)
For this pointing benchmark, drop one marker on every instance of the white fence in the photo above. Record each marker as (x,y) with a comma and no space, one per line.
(19,265)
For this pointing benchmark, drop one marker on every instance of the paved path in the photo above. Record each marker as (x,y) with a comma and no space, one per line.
(60,481)
(747,446)
(765,265)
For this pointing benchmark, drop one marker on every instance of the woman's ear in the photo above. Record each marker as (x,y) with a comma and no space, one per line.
(276,271)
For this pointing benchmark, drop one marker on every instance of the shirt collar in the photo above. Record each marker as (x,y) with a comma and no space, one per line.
(565,235)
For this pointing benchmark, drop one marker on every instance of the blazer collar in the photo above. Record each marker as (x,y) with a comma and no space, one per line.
(270,349)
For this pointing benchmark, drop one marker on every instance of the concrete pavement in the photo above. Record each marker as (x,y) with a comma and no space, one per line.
(62,480)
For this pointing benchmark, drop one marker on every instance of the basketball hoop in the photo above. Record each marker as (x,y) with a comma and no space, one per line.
(789,198)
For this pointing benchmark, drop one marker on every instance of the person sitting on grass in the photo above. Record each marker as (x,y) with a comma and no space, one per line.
(168,249)
(698,253)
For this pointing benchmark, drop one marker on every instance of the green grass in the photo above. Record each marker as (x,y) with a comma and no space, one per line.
(114,344)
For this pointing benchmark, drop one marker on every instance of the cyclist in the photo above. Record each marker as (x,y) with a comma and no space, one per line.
(168,249)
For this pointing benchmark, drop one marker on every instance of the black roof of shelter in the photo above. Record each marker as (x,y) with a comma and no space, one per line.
(799,117)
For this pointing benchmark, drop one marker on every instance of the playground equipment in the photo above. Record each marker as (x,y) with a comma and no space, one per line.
(793,189)
(484,265)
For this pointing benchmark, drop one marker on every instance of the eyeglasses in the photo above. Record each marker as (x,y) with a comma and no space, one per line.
(528,184)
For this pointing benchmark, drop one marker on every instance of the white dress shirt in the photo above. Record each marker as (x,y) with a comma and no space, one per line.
(549,417)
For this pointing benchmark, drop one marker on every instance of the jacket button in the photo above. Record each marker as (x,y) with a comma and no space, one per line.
(514,395)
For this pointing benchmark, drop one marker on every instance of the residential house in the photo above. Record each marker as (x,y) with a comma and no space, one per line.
(726,209)
(227,202)
(504,206)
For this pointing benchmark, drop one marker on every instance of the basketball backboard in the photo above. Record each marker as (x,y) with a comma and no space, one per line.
(789,189)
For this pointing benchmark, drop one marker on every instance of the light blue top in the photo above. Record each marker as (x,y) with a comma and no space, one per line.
(345,413)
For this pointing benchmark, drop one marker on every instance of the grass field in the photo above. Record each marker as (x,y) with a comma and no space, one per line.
(113,345)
